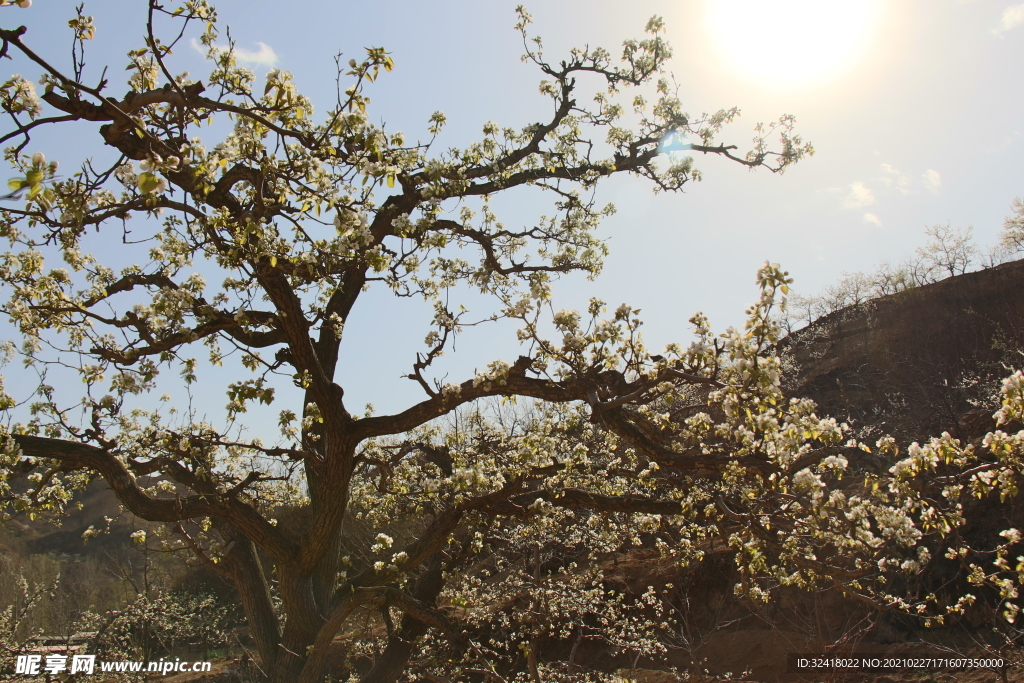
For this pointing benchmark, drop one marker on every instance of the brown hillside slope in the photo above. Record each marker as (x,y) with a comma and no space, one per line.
(917,363)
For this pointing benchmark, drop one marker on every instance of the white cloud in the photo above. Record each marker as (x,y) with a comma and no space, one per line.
(859,197)
(264,56)
(895,178)
(873,220)
(932,180)
(1013,16)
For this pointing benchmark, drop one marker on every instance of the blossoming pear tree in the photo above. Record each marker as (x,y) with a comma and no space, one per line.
(294,218)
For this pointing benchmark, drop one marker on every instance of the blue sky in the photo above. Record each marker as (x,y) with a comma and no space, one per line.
(918,124)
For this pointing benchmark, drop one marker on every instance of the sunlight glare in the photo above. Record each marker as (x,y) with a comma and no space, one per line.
(791,42)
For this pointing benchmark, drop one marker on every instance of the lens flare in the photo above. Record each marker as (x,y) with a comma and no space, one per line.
(673,141)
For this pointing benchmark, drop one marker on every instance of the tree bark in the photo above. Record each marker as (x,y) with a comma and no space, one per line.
(395,658)
(246,570)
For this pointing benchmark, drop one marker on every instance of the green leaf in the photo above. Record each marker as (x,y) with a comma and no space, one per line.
(148,182)
(48,199)
(391,180)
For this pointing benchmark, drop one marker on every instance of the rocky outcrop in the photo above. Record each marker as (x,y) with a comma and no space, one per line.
(916,363)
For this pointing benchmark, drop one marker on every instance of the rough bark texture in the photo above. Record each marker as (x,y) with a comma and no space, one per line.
(401,645)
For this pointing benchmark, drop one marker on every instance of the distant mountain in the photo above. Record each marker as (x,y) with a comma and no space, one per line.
(40,535)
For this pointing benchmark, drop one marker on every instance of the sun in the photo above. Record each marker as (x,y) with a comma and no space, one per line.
(791,42)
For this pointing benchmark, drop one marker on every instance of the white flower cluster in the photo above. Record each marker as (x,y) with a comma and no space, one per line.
(911,565)
(147,73)
(835,462)
(1013,399)
(1011,535)
(497,371)
(19,95)
(519,309)
(402,224)
(155,163)
(919,459)
(383,541)
(540,287)
(896,523)
(126,174)
(354,226)
(475,477)
(566,319)
(807,481)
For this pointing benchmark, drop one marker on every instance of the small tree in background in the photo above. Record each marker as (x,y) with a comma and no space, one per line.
(950,251)
(1013,227)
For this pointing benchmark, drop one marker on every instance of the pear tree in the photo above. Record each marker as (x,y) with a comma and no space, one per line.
(253,248)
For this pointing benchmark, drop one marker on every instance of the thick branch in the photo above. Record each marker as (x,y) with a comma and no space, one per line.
(128,492)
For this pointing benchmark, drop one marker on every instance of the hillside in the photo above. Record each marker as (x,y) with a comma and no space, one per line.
(917,363)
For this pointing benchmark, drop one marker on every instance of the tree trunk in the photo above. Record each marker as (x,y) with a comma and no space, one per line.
(395,658)
(304,625)
(325,576)
(244,566)
(327,483)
